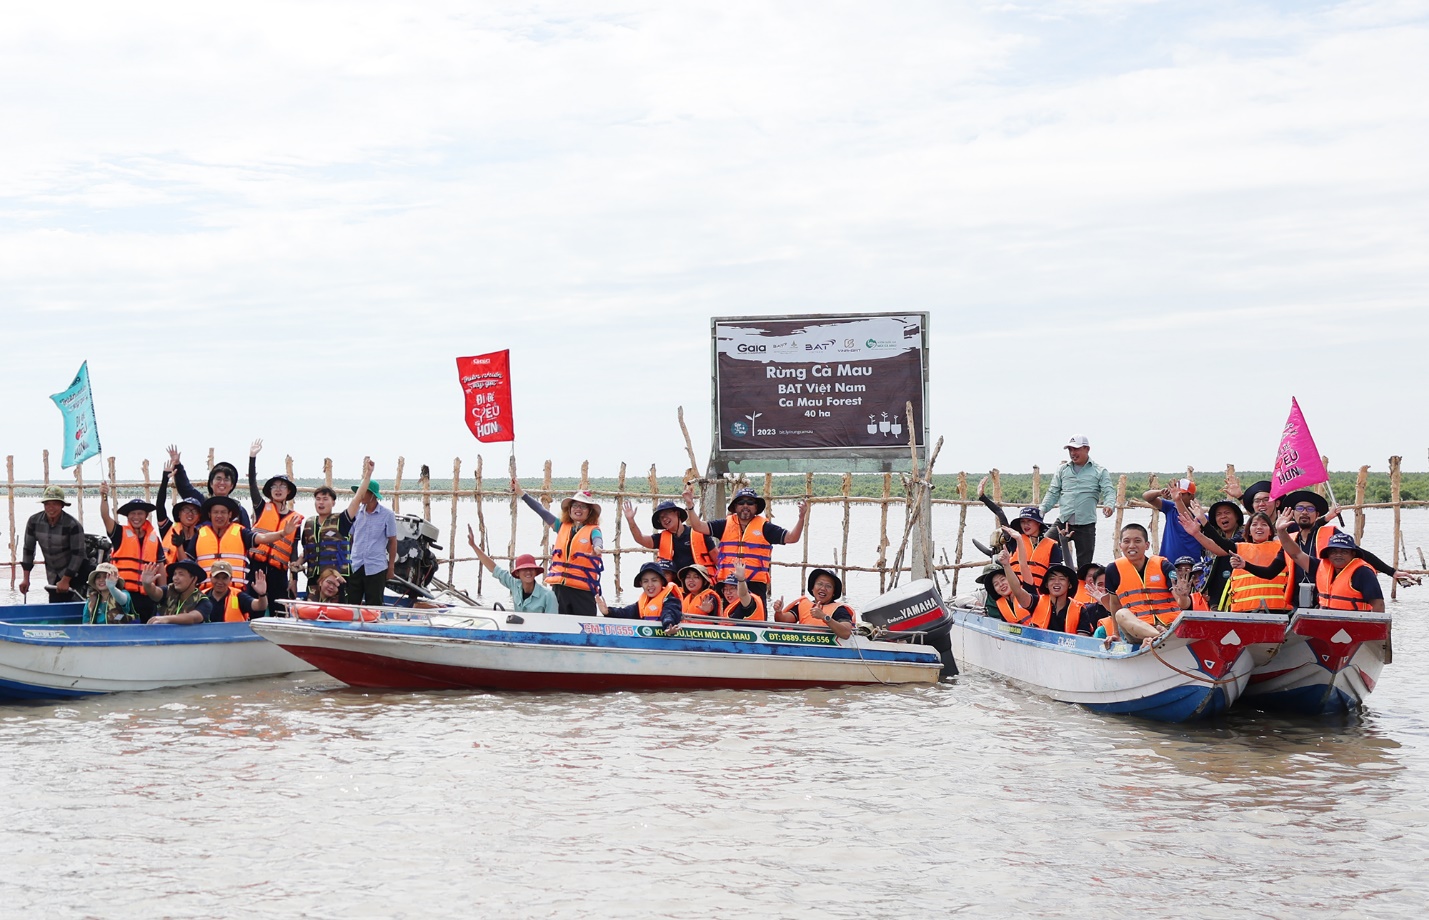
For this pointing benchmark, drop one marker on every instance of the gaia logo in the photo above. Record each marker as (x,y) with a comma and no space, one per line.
(738,429)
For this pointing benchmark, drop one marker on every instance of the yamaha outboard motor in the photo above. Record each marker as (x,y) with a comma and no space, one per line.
(916,606)
(416,560)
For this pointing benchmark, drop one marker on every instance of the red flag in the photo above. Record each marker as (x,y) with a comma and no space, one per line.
(486,383)
(1297,462)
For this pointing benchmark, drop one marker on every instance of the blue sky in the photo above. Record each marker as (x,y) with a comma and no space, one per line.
(1149,222)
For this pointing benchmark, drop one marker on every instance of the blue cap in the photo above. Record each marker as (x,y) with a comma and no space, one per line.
(649,567)
(664,506)
(1341,540)
(1031,513)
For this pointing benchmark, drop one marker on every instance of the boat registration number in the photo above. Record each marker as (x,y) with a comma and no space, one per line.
(45,634)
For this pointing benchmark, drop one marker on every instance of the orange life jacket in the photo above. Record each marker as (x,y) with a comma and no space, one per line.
(1198,601)
(1042,614)
(1109,624)
(1012,612)
(1248,591)
(805,610)
(231,611)
(173,543)
(691,605)
(1317,549)
(1081,596)
(277,554)
(1336,592)
(1149,598)
(749,546)
(209,548)
(649,607)
(699,547)
(1038,558)
(575,562)
(758,614)
(135,550)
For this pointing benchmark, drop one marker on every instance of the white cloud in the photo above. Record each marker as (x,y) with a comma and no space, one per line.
(1141,198)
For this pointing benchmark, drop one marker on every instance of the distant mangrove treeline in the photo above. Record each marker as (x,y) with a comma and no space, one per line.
(1016,487)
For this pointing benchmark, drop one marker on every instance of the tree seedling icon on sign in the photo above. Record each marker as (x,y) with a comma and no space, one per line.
(751,418)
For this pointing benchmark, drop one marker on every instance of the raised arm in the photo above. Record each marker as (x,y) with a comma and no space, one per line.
(551,520)
(253,491)
(694,521)
(1019,593)
(367,467)
(104,514)
(486,561)
(1293,552)
(1212,545)
(629,508)
(798,530)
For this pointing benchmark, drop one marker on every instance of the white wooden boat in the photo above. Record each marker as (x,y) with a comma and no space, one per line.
(1198,668)
(46,653)
(462,648)
(1330,661)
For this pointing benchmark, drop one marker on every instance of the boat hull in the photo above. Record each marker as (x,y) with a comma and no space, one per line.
(1330,662)
(1197,670)
(43,656)
(584,654)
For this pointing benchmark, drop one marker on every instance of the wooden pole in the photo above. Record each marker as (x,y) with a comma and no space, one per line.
(1036,484)
(288,468)
(1120,509)
(585,474)
(809,513)
(694,470)
(1155,519)
(769,495)
(848,508)
(397,487)
(456,500)
(546,499)
(327,472)
(10,491)
(997,485)
(477,496)
(79,491)
(210,459)
(148,488)
(511,548)
(620,520)
(1394,477)
(654,481)
(1361,481)
(424,481)
(46,458)
(962,527)
(883,532)
(113,481)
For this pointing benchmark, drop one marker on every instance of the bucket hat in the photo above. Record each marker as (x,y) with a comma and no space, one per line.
(374,487)
(526,561)
(54,494)
(664,506)
(648,567)
(135,504)
(748,495)
(838,582)
(268,486)
(220,501)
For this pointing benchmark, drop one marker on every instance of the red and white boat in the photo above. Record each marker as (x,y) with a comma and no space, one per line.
(1329,662)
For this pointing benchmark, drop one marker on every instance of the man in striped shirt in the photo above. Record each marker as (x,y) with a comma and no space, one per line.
(60,539)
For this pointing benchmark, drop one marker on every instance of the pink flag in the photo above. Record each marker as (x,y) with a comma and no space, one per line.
(1297,463)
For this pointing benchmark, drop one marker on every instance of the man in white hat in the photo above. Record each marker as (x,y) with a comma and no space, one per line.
(60,539)
(1077,487)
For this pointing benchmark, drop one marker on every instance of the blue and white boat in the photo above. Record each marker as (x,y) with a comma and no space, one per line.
(474,648)
(1198,668)
(46,653)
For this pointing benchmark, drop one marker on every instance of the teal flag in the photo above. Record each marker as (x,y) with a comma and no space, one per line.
(77,405)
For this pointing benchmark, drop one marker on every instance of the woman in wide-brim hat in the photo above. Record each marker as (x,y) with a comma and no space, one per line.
(700,598)
(107,602)
(576,564)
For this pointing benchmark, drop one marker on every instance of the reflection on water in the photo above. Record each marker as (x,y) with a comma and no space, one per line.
(298,797)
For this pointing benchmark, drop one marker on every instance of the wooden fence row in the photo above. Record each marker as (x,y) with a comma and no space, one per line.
(901,493)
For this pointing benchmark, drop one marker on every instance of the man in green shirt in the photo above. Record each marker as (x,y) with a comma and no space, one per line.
(1077,487)
(528,595)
